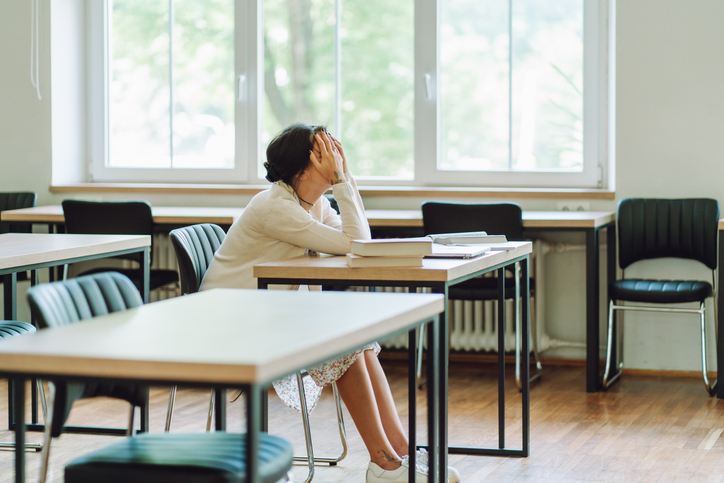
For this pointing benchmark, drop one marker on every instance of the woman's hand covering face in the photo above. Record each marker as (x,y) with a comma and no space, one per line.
(330,162)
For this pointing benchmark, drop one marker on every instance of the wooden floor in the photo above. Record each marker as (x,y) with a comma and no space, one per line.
(643,429)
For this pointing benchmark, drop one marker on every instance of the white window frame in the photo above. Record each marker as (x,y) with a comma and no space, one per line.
(246,67)
(598,104)
(595,117)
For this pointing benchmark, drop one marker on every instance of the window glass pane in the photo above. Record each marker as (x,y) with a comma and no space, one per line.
(138,84)
(203,83)
(299,67)
(377,109)
(474,60)
(548,85)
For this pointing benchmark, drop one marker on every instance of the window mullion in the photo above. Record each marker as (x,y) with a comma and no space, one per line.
(170,82)
(427,88)
(510,85)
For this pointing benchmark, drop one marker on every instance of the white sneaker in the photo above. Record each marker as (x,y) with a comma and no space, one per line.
(375,474)
(421,457)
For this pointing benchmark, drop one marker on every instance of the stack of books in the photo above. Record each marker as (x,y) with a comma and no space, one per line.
(389,252)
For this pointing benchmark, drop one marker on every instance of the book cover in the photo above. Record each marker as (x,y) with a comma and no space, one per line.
(392,247)
(356,261)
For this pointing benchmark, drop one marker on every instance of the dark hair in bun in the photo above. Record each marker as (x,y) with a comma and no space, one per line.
(288,153)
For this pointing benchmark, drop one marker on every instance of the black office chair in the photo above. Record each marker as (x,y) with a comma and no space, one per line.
(117,218)
(67,302)
(12,328)
(658,228)
(195,247)
(16,201)
(495,219)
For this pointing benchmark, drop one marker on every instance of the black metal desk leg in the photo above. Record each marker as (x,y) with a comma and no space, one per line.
(501,358)
(442,377)
(19,416)
(720,320)
(412,395)
(10,288)
(525,363)
(593,382)
(436,419)
(145,277)
(611,263)
(220,409)
(253,422)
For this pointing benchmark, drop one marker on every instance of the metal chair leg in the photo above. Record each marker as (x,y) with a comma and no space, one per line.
(533,332)
(330,460)
(131,421)
(609,350)
(47,438)
(307,430)
(169,410)
(210,417)
(29,446)
(420,349)
(711,388)
(43,402)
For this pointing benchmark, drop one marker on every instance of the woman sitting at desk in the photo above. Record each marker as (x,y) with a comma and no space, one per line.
(289,220)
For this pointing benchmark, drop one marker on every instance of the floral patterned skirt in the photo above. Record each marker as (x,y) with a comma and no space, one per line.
(321,375)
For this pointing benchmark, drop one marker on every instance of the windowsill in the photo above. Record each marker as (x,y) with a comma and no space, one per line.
(365,191)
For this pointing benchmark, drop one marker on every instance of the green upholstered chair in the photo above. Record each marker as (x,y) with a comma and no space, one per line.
(195,247)
(72,301)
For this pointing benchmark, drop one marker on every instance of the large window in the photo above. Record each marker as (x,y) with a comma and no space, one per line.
(426,92)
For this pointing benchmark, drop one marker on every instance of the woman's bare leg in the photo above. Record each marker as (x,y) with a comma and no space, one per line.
(358,394)
(391,423)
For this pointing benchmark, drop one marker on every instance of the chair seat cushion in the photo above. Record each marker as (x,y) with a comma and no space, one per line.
(9,328)
(660,291)
(173,457)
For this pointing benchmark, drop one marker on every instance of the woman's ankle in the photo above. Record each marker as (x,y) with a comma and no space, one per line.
(386,461)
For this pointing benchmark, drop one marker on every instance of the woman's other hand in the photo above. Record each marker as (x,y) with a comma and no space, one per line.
(331,162)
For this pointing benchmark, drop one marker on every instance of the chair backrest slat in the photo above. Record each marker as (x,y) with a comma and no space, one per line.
(66,302)
(195,246)
(656,228)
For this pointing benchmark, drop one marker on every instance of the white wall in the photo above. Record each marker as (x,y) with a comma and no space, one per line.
(669,129)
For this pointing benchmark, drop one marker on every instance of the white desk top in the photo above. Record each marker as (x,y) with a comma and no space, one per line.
(220,336)
(23,249)
(432,270)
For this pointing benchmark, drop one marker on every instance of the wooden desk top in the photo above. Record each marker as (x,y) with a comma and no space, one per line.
(179,215)
(265,335)
(432,270)
(24,249)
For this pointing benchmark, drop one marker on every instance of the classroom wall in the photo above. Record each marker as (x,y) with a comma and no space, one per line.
(669,143)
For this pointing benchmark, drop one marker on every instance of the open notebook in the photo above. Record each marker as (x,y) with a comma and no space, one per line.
(456,251)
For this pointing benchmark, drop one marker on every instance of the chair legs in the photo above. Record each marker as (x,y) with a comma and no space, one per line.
(30,446)
(172,402)
(47,439)
(210,416)
(169,409)
(310,458)
(710,388)
(608,380)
